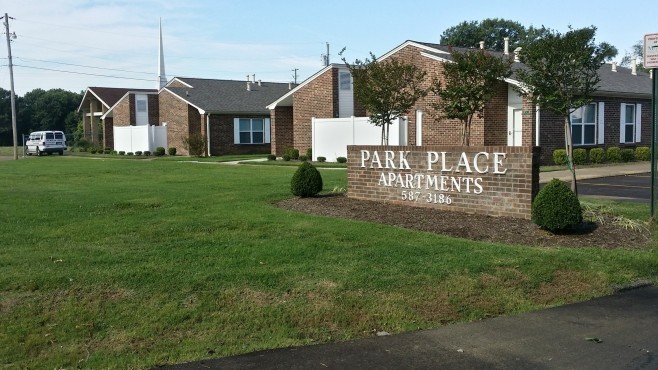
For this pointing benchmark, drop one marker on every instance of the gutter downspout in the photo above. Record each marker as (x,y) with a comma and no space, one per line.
(537,125)
(208,132)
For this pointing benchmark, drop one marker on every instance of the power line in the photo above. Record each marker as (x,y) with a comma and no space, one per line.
(81,65)
(83,73)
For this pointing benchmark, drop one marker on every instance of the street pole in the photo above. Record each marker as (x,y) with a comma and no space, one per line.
(654,110)
(11,81)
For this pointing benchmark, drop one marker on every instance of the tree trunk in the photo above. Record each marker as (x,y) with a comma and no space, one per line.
(388,129)
(569,146)
(383,135)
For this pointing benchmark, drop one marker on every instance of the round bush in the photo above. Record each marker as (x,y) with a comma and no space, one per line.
(613,154)
(642,153)
(597,155)
(560,157)
(139,152)
(286,157)
(159,151)
(171,151)
(121,152)
(341,160)
(271,157)
(627,154)
(294,154)
(309,154)
(322,159)
(556,207)
(307,181)
(147,153)
(303,158)
(579,156)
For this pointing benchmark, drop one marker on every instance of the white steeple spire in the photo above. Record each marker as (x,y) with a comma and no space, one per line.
(162,78)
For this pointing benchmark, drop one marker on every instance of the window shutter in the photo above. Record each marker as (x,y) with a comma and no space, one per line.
(267,131)
(236,131)
(638,123)
(622,132)
(601,123)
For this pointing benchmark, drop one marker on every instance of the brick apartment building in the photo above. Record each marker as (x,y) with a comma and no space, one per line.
(614,118)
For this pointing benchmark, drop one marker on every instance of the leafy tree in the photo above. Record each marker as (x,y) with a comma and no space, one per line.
(386,89)
(562,75)
(492,31)
(470,82)
(637,51)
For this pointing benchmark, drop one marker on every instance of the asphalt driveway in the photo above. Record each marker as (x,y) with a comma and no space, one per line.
(636,188)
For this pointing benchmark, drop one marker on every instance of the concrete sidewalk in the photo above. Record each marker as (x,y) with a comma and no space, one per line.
(596,172)
(613,332)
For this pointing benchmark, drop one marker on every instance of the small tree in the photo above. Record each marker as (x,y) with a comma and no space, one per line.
(195,144)
(470,83)
(562,75)
(386,89)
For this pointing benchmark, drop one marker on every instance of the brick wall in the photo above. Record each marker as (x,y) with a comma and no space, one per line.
(282,130)
(319,98)
(108,132)
(222,137)
(124,111)
(509,194)
(154,109)
(495,118)
(176,113)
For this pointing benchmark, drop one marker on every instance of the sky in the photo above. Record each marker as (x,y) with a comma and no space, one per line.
(73,44)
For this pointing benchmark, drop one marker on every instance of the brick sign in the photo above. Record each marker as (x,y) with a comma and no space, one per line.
(492,180)
(651,50)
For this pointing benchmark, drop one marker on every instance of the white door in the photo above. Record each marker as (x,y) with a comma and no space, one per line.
(515,129)
(141,110)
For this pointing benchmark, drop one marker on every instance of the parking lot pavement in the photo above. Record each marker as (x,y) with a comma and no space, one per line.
(635,187)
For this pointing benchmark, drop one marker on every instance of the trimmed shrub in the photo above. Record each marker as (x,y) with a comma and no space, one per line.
(147,153)
(560,157)
(307,181)
(130,154)
(597,155)
(613,154)
(322,159)
(171,151)
(642,153)
(121,152)
(556,207)
(139,152)
(303,158)
(271,157)
(107,151)
(309,154)
(293,153)
(286,157)
(195,144)
(83,144)
(579,156)
(114,152)
(341,159)
(93,151)
(159,151)
(627,154)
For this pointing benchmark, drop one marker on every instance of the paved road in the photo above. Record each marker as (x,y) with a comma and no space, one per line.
(614,332)
(628,187)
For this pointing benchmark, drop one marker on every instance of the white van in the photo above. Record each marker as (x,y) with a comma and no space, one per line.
(49,142)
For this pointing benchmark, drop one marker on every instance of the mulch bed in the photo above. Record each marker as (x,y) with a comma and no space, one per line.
(474,226)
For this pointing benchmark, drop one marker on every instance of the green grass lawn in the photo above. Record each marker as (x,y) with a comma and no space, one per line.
(131,264)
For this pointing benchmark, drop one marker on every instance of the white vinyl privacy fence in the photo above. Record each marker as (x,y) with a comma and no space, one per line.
(331,136)
(139,138)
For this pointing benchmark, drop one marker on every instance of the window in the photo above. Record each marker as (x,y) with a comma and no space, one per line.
(344,81)
(628,123)
(583,125)
(251,130)
(141,105)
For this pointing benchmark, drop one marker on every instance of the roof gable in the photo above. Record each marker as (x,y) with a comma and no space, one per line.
(109,96)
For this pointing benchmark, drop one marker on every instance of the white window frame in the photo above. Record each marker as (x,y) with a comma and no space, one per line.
(237,131)
(581,125)
(636,124)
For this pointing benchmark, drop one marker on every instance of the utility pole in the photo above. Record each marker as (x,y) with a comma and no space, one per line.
(11,79)
(294,71)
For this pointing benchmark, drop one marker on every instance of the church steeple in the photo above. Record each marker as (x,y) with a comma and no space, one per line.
(162,78)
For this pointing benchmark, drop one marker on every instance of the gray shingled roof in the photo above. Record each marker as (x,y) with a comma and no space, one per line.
(111,95)
(229,96)
(620,83)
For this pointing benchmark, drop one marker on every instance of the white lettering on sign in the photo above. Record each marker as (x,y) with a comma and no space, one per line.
(441,178)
